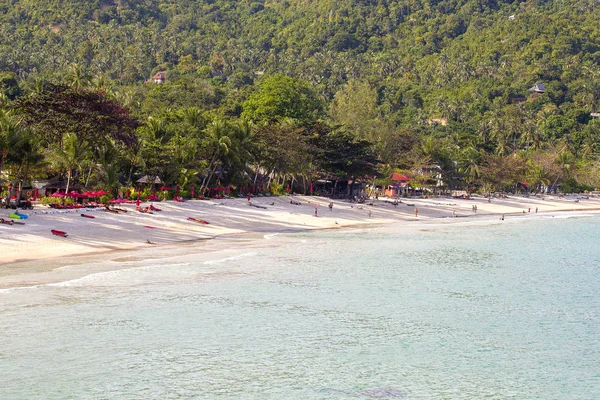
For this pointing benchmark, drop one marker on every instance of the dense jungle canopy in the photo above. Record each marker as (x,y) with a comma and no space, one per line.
(492,93)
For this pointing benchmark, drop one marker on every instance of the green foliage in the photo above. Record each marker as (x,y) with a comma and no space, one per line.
(280,96)
(9,85)
(410,85)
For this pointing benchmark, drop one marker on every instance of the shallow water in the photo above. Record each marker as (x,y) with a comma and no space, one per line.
(453,311)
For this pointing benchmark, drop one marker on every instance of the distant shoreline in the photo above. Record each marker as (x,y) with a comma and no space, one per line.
(32,255)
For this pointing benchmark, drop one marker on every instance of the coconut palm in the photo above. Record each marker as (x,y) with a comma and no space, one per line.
(69,156)
(219,143)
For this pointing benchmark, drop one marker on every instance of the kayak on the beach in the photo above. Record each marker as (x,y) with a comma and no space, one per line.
(17,215)
(87,216)
(58,233)
(200,221)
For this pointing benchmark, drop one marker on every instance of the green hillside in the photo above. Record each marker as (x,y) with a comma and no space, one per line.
(419,82)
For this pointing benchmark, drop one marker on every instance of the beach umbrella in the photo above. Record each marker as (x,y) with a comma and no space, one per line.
(57,194)
(193,191)
(113,201)
(165,188)
(219,189)
(139,193)
(100,193)
(88,194)
(74,195)
(153,197)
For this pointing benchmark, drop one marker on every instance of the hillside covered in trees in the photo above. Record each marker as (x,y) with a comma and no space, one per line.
(493,92)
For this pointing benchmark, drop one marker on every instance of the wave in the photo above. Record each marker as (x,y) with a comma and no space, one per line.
(232,258)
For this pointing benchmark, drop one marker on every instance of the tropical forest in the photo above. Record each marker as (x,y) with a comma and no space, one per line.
(472,95)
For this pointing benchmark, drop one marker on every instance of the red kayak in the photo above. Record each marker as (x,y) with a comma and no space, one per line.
(148,226)
(154,208)
(201,221)
(58,233)
(87,216)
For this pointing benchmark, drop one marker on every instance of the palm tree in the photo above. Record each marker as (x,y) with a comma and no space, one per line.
(537,176)
(76,76)
(27,157)
(565,161)
(469,164)
(69,156)
(219,142)
(11,131)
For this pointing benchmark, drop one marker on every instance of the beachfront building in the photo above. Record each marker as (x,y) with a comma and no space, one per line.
(399,186)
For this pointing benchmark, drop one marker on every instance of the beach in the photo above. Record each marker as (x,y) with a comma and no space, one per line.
(233,221)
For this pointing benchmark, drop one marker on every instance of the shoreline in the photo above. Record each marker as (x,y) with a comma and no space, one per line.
(232,221)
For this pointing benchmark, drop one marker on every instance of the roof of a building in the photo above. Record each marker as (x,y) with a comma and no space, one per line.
(399,177)
(538,87)
(160,75)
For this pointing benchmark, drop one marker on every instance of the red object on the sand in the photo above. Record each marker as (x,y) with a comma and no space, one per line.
(87,216)
(58,233)
(148,226)
(154,208)
(198,220)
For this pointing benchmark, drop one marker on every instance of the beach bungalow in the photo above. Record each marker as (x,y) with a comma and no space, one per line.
(149,179)
(399,187)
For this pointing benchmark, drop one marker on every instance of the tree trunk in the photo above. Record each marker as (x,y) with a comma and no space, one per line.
(68,181)
(204,181)
(87,180)
(130,173)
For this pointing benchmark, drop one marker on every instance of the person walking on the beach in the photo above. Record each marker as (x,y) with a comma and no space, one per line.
(529,210)
(416,212)
(248,196)
(453,214)
(369,213)
(331,206)
(315,211)
(536,210)
(502,217)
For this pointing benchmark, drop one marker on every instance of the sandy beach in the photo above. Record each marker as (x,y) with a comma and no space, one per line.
(32,249)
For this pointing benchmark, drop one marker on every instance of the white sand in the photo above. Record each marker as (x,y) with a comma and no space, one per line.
(34,241)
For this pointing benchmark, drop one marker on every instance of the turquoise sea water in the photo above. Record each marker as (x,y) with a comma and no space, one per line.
(452,311)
